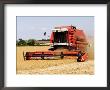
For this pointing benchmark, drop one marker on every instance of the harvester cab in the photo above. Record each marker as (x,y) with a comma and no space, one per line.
(58,38)
(67,37)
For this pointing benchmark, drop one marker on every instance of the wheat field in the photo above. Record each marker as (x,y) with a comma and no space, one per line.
(68,65)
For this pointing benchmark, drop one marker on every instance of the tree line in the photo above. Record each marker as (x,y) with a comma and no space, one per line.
(29,42)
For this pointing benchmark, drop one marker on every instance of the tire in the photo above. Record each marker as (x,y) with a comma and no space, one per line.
(79,57)
(78,60)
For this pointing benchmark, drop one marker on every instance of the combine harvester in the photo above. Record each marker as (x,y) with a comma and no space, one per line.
(66,37)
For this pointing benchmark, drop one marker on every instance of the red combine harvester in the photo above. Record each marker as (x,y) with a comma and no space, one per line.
(66,37)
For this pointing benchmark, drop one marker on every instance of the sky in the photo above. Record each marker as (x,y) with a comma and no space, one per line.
(33,27)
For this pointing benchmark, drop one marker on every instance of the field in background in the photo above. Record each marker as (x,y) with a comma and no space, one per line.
(68,65)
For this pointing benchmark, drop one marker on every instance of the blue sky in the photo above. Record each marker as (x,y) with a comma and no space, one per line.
(33,27)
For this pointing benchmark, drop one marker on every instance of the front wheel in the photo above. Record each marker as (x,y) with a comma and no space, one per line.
(79,57)
(78,60)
